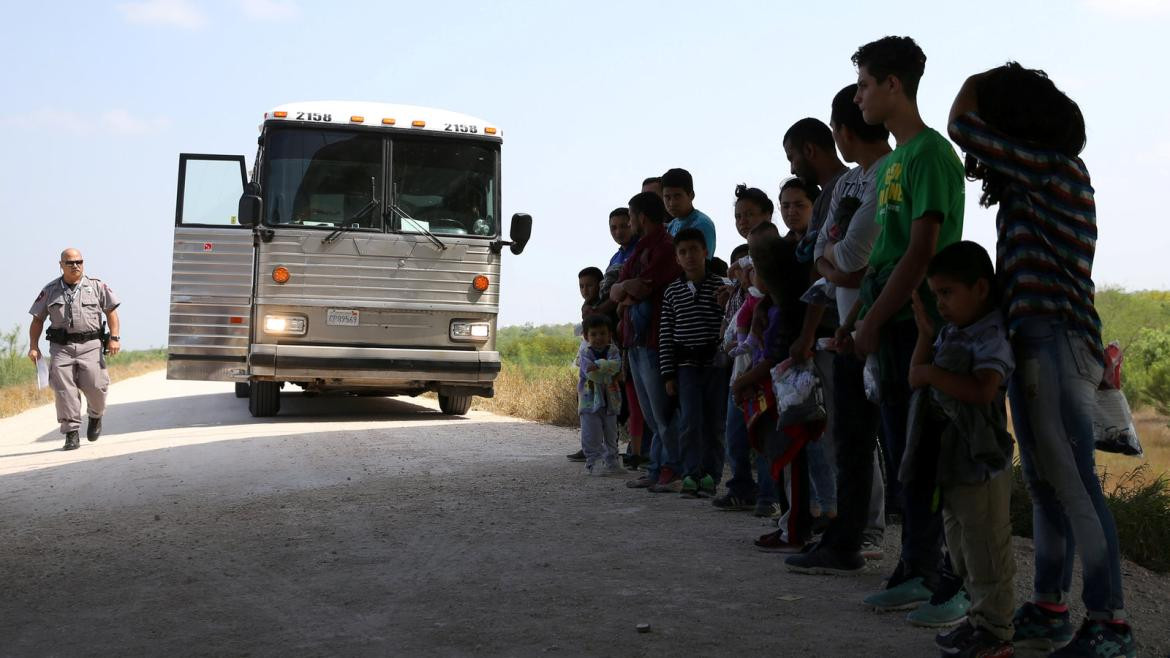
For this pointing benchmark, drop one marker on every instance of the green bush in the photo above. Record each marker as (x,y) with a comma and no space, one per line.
(1141,511)
(546,345)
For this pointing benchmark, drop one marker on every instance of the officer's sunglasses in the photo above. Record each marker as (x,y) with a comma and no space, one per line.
(74,263)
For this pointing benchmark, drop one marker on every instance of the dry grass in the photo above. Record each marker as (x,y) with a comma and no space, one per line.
(21,397)
(1154,433)
(547,394)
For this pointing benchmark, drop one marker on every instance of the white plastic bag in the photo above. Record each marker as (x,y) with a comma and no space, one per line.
(873,378)
(798,393)
(42,373)
(1113,428)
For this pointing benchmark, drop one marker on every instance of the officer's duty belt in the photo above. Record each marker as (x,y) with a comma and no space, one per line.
(60,337)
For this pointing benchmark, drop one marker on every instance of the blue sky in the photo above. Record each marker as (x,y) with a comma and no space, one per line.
(100,98)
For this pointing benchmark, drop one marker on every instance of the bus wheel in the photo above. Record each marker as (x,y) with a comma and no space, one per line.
(264,399)
(454,405)
(242,389)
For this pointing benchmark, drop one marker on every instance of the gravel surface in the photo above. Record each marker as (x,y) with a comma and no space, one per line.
(376,526)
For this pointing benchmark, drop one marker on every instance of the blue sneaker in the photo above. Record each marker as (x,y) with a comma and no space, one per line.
(1037,628)
(941,615)
(1100,639)
(903,596)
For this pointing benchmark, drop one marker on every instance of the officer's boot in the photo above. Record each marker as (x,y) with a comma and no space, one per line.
(72,441)
(94,429)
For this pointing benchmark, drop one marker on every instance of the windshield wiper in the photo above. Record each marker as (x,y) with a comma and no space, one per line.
(418,226)
(362,212)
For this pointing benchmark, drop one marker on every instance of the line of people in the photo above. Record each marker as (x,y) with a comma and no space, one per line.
(858,361)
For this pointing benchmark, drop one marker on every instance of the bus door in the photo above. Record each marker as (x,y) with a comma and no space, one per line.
(211,272)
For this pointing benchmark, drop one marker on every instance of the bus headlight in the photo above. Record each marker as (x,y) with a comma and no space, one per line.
(291,325)
(464,330)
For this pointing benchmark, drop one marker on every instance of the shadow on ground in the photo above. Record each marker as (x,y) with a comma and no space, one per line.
(217,409)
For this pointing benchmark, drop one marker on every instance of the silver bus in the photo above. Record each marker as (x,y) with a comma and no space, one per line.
(362,256)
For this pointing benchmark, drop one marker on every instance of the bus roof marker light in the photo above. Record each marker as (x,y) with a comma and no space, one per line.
(418,124)
(480,283)
(280,114)
(280,274)
(490,130)
(357,118)
(388,121)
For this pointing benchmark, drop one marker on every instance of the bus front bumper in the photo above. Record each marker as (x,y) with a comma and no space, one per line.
(373,366)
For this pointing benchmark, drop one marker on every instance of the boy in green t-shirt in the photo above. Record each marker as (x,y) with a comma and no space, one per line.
(920,211)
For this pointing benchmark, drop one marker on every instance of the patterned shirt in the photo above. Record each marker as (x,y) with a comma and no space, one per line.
(1046,228)
(691,322)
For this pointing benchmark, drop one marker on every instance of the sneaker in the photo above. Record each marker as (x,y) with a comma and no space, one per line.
(966,641)
(1099,638)
(952,641)
(941,614)
(1037,628)
(871,551)
(730,502)
(578,456)
(767,510)
(612,470)
(906,595)
(707,487)
(690,487)
(826,562)
(773,543)
(642,482)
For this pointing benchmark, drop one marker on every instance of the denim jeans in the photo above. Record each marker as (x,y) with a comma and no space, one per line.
(657,411)
(922,530)
(821,454)
(1053,397)
(700,420)
(739,453)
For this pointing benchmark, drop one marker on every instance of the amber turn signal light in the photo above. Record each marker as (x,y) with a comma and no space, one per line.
(280,274)
(480,283)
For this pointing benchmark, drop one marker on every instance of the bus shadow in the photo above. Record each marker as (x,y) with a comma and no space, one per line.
(219,409)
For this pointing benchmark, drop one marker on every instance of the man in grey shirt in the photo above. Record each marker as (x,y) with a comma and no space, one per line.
(841,256)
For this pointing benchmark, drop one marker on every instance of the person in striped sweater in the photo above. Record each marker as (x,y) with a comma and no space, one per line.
(1023,138)
(688,341)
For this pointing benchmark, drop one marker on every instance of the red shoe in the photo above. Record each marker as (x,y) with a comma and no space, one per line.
(668,482)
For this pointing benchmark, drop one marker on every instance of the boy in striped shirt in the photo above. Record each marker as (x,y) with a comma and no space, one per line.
(688,342)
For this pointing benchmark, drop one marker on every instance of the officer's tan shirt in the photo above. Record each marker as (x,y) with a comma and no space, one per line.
(92,299)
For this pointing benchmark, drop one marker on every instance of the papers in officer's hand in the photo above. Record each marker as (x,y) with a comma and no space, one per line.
(42,373)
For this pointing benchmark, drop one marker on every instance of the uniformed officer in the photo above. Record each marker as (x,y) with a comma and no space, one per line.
(74,304)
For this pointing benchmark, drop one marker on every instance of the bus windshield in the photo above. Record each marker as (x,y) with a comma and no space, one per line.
(323,178)
(444,186)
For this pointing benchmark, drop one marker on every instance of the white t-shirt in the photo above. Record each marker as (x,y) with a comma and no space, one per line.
(852,251)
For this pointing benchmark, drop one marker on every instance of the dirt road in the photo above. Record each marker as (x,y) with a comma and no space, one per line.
(378,527)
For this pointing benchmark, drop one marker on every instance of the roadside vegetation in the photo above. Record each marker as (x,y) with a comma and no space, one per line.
(18,376)
(537,380)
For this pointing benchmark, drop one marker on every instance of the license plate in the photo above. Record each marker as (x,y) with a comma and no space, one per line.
(341,317)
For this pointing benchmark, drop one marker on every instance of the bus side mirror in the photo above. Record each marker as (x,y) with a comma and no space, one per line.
(251,206)
(520,231)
